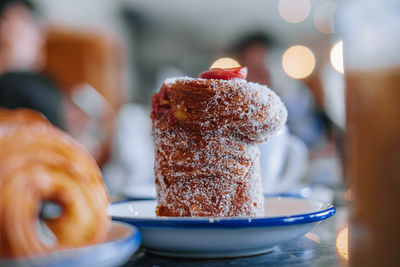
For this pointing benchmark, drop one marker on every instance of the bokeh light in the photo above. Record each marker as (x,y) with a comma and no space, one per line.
(342,243)
(336,57)
(298,62)
(225,62)
(324,17)
(294,11)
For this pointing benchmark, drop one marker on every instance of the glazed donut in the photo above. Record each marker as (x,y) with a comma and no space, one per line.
(39,163)
(206,132)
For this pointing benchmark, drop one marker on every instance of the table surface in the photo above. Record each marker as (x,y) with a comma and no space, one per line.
(317,248)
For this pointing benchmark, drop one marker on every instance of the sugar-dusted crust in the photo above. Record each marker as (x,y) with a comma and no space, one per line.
(40,163)
(205,133)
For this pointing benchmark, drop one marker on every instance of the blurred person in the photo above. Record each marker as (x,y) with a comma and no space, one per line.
(23,83)
(21,59)
(21,38)
(252,52)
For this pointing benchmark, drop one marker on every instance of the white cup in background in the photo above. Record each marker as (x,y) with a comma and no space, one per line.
(283,161)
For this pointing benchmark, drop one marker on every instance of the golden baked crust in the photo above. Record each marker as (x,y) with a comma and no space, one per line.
(40,163)
(205,133)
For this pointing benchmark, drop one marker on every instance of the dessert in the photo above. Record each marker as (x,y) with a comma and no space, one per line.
(39,163)
(206,131)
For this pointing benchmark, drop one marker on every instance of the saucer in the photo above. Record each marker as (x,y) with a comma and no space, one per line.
(285,219)
(122,241)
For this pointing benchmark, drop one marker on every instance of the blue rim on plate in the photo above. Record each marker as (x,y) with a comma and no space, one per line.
(103,254)
(327,211)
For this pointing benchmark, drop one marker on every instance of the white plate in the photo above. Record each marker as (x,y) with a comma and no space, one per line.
(122,241)
(203,237)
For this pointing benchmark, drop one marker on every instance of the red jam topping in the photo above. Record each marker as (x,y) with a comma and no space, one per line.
(224,74)
(161,105)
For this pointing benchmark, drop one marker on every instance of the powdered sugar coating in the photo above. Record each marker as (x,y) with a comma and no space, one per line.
(208,163)
(257,109)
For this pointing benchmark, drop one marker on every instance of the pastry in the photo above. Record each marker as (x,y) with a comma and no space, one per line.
(206,131)
(40,163)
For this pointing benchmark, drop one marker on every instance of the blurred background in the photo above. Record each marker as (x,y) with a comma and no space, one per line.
(92,66)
